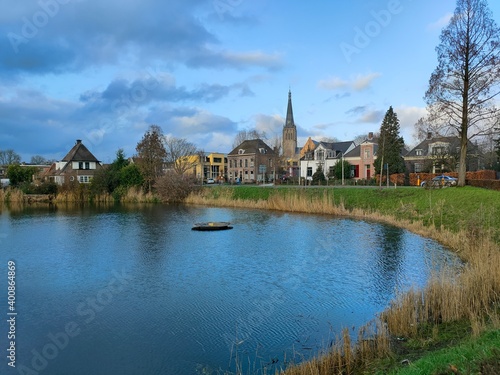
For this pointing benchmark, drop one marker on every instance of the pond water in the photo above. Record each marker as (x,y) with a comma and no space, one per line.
(133,290)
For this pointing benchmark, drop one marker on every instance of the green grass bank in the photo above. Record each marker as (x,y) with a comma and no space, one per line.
(450,327)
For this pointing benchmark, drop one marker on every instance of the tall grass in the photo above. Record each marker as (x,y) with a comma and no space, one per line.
(11,195)
(472,295)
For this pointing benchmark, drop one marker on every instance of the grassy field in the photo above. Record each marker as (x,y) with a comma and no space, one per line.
(450,327)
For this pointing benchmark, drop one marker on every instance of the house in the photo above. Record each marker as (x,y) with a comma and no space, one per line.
(362,157)
(78,165)
(324,156)
(438,154)
(214,166)
(252,161)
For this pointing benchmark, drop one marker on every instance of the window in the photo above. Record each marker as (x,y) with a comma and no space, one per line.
(367,153)
(320,155)
(217,160)
(241,163)
(309,171)
(418,167)
(418,152)
(251,163)
(80,165)
(87,165)
(262,150)
(246,163)
(241,151)
(438,150)
(331,171)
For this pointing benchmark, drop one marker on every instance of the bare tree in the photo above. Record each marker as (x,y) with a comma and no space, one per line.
(181,154)
(465,83)
(329,139)
(8,157)
(245,135)
(39,160)
(151,155)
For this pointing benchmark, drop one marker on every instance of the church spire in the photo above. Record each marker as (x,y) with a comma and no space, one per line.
(289,123)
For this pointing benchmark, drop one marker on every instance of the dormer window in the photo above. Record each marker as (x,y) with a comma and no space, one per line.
(262,150)
(418,152)
(241,151)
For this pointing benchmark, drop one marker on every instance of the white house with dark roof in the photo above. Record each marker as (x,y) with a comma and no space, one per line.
(325,156)
(79,165)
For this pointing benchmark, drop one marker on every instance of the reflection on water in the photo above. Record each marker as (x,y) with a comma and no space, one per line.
(149,296)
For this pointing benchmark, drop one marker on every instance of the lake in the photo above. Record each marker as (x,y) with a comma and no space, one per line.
(131,289)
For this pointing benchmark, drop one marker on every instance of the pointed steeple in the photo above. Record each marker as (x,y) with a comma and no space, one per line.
(289,123)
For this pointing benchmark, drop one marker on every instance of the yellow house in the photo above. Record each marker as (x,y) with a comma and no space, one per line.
(213,165)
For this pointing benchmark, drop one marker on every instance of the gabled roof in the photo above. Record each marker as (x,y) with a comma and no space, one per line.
(339,147)
(252,146)
(356,151)
(79,153)
(424,145)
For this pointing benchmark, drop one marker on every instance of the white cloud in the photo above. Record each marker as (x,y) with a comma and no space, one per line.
(333,83)
(359,83)
(362,82)
(270,124)
(440,23)
(408,116)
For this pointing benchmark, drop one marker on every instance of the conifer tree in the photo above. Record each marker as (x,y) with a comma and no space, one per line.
(390,145)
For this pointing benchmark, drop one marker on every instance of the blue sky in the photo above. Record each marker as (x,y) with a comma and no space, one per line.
(104,71)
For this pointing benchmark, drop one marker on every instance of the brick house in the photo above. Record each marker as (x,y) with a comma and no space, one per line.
(79,165)
(439,155)
(252,161)
(362,157)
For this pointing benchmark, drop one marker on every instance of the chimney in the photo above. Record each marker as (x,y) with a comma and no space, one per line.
(370,136)
(78,141)
(429,135)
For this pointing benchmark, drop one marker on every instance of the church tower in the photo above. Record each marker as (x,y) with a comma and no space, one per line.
(289,131)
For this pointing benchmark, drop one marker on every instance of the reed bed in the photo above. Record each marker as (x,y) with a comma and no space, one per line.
(472,295)
(11,195)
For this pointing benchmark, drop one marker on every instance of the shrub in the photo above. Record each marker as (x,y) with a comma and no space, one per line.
(173,187)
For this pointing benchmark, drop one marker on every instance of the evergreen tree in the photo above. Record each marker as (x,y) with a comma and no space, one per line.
(337,173)
(318,178)
(390,145)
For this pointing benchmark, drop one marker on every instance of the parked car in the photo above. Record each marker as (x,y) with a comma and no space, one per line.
(210,181)
(440,181)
